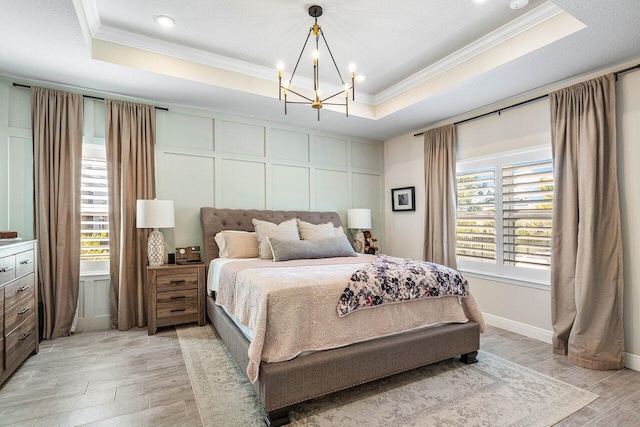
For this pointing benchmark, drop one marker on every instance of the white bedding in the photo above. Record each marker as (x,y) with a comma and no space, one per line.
(212,285)
(290,308)
(214,271)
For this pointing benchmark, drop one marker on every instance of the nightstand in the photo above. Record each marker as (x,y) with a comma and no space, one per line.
(176,295)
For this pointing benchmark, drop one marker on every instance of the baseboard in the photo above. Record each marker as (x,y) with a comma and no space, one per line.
(519,328)
(631,361)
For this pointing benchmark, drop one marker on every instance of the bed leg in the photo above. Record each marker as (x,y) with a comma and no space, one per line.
(277,418)
(469,358)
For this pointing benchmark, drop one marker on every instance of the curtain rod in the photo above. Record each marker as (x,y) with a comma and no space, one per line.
(86,96)
(626,70)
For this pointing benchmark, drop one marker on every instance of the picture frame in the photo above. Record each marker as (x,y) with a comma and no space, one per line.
(403,199)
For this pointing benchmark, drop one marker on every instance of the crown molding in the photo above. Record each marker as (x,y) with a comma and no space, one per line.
(151,44)
(518,26)
(91,15)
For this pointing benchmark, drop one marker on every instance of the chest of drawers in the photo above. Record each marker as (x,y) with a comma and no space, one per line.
(18,305)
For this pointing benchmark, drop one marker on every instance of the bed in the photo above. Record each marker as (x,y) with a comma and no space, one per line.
(281,385)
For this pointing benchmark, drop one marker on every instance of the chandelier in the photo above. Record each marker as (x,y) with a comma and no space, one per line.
(316,100)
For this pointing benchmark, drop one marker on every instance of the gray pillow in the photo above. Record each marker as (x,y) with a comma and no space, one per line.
(285,250)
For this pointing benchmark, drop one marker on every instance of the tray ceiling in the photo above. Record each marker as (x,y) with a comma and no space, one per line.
(423,61)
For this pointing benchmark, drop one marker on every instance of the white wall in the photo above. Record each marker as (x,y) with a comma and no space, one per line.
(16,161)
(526,309)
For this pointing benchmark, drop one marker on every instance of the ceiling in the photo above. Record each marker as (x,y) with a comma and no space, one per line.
(423,61)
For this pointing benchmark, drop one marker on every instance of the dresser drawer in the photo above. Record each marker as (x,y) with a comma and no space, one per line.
(178,307)
(177,281)
(7,269)
(17,314)
(24,263)
(22,340)
(19,291)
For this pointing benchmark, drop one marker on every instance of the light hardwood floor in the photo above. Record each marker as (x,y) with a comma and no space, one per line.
(129,378)
(105,378)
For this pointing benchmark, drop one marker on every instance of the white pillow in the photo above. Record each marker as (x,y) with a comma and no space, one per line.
(310,231)
(339,231)
(237,244)
(265,229)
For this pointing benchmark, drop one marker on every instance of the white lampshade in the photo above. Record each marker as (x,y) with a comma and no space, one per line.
(155,214)
(359,219)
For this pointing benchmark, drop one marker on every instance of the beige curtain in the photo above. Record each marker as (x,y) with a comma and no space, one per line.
(56,123)
(130,135)
(440,190)
(586,257)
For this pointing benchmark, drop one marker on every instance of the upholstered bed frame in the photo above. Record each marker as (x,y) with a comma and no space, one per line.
(281,385)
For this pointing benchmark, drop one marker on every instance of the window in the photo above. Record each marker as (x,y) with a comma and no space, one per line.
(504,211)
(94,202)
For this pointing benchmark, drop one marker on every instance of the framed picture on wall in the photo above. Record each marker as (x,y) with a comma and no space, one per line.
(403,199)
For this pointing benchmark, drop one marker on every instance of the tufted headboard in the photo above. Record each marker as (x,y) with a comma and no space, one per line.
(214,220)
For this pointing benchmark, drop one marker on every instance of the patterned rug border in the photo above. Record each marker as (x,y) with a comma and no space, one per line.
(203,390)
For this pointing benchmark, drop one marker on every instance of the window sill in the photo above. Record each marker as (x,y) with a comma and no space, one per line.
(507,279)
(95,275)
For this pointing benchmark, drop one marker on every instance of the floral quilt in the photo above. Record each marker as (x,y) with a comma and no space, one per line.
(389,280)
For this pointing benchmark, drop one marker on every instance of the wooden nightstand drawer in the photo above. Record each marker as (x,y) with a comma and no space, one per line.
(19,291)
(25,263)
(21,340)
(177,281)
(17,314)
(178,308)
(7,269)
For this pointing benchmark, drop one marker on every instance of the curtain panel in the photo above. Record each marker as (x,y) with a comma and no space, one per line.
(56,125)
(586,253)
(130,138)
(440,192)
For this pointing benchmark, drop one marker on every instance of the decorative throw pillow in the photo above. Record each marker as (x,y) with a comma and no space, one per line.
(287,230)
(285,250)
(237,244)
(339,231)
(310,231)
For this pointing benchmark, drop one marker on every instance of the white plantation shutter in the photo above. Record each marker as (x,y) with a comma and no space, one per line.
(527,206)
(94,224)
(475,222)
(504,212)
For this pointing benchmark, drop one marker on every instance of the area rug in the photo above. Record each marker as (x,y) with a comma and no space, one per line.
(494,392)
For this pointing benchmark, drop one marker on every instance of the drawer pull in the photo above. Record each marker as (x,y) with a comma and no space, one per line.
(24,337)
(24,310)
(175,310)
(180,297)
(26,261)
(5,269)
(175,282)
(24,288)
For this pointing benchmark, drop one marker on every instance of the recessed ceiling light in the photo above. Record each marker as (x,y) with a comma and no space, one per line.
(360,78)
(518,4)
(165,21)
(479,1)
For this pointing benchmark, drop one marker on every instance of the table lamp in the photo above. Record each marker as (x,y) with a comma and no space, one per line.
(359,219)
(155,214)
